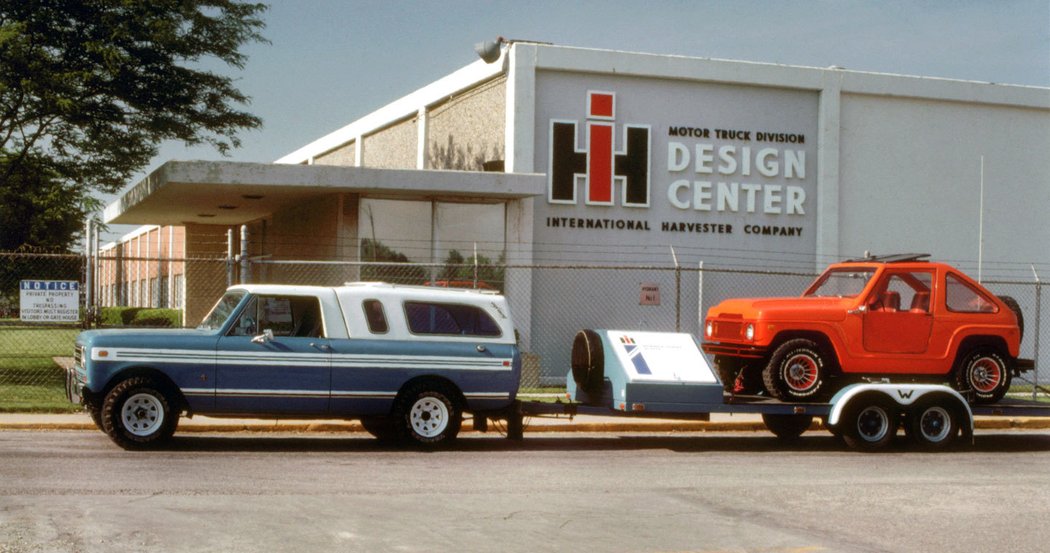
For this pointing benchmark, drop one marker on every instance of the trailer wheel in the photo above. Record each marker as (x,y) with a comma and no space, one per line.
(787,427)
(932,425)
(869,424)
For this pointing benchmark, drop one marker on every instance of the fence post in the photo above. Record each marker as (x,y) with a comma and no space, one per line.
(1038,318)
(244,255)
(700,299)
(229,257)
(87,275)
(677,292)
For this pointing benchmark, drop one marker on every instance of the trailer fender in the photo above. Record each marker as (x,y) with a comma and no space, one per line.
(904,395)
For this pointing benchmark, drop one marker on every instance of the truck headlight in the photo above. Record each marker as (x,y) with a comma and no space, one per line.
(709,330)
(749,331)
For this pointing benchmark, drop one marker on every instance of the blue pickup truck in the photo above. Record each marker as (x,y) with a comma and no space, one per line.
(405,361)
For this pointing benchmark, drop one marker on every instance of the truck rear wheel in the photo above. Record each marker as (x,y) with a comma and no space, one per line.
(426,414)
(984,373)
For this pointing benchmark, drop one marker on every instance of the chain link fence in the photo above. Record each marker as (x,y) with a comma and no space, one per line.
(549,303)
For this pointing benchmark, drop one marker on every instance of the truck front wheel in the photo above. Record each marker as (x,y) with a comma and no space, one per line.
(796,371)
(136,414)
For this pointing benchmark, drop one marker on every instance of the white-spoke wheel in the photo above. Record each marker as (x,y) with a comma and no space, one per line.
(429,417)
(427,414)
(142,414)
(137,414)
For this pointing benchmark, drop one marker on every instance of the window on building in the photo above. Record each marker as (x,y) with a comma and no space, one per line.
(449,319)
(176,290)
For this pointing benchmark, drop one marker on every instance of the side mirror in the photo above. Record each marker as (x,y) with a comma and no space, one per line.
(266,336)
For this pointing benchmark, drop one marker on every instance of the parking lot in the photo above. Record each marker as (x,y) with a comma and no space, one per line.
(76,491)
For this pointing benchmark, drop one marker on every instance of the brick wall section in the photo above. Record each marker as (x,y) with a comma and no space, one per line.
(469,129)
(391,148)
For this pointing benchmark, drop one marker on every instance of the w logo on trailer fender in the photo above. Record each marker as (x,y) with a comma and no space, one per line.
(905,394)
(598,165)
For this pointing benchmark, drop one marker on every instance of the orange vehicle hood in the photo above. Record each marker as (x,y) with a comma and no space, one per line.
(772,309)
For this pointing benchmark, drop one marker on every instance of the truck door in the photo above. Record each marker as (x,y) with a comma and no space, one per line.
(899,317)
(275,359)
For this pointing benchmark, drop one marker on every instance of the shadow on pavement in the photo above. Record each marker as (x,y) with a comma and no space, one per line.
(691,443)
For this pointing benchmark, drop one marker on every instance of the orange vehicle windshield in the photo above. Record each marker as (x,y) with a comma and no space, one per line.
(840,283)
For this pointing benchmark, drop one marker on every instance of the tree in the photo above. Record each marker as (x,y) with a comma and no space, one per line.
(90,88)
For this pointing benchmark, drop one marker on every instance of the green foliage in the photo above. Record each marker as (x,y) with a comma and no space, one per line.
(139,316)
(396,272)
(460,269)
(90,88)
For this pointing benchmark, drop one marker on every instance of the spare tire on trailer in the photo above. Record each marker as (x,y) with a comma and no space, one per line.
(1016,308)
(588,361)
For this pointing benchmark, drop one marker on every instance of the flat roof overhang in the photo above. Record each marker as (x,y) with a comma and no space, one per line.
(235,193)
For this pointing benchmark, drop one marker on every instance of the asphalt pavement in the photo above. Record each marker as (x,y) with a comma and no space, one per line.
(719,422)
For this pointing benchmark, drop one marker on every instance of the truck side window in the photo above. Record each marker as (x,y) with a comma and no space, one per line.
(961,298)
(283,315)
(375,316)
(450,319)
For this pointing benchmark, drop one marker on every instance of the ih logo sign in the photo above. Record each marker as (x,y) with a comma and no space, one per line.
(599,166)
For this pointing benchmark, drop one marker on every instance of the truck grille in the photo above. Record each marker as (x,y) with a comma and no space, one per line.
(728,330)
(78,356)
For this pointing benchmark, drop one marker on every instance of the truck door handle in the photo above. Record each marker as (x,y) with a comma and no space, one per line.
(322,347)
(481,348)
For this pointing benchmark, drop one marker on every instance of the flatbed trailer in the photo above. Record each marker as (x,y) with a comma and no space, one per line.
(663,375)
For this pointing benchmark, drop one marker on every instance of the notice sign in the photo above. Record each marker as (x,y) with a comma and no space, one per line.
(650,294)
(49,301)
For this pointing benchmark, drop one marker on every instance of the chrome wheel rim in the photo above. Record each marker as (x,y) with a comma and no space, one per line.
(801,373)
(873,423)
(935,424)
(142,414)
(985,375)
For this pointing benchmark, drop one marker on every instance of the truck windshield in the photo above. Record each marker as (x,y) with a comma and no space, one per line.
(222,310)
(840,283)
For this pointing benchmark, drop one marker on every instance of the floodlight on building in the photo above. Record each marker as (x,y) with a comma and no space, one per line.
(490,50)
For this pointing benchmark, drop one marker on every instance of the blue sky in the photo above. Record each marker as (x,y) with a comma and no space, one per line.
(333,61)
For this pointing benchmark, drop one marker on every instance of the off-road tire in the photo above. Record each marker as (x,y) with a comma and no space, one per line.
(138,414)
(588,361)
(983,375)
(797,371)
(1016,308)
(427,414)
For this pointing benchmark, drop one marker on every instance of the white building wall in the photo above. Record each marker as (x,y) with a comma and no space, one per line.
(910,174)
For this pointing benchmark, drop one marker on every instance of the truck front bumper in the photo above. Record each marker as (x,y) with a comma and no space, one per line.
(735,350)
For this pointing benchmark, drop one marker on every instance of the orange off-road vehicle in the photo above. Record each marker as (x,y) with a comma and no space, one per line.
(896,317)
